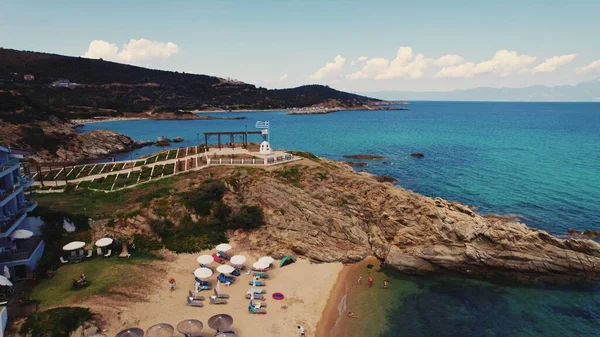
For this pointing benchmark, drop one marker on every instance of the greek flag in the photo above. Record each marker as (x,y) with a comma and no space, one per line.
(262,125)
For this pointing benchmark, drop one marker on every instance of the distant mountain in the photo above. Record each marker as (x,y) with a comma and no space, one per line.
(585,91)
(92,86)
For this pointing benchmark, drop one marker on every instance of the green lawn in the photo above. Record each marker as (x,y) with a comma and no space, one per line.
(103,273)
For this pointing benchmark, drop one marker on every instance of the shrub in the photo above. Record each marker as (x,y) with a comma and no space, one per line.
(162,227)
(201,200)
(57,322)
(247,217)
(290,174)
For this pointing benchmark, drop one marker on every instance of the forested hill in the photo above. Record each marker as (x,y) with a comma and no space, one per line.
(100,87)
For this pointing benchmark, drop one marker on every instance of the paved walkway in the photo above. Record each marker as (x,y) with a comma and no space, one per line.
(202,161)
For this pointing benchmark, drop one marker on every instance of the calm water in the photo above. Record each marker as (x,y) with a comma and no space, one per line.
(538,160)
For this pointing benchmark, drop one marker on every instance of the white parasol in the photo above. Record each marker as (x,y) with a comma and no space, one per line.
(223,247)
(21,234)
(4,281)
(205,259)
(104,242)
(202,273)
(6,272)
(74,245)
(260,265)
(266,260)
(225,269)
(238,259)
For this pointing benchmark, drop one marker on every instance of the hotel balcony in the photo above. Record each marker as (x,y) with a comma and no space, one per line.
(23,250)
(9,223)
(7,167)
(8,194)
(25,181)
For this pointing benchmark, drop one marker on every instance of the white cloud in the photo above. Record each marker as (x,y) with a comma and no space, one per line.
(371,69)
(503,63)
(449,60)
(594,66)
(403,66)
(132,52)
(102,49)
(554,62)
(330,71)
(359,60)
(283,77)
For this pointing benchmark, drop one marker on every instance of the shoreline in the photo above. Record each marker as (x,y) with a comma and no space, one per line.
(333,322)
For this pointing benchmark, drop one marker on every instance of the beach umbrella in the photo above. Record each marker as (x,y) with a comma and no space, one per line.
(104,242)
(160,330)
(190,327)
(225,269)
(266,260)
(6,272)
(223,247)
(21,234)
(260,265)
(220,322)
(205,259)
(238,259)
(5,282)
(98,335)
(74,245)
(131,332)
(202,273)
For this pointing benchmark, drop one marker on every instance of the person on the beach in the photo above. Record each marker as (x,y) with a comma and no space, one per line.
(172,284)
(302,331)
(352,315)
(360,280)
(385,283)
(370,280)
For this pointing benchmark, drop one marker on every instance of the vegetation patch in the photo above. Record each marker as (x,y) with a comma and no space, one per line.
(291,174)
(305,154)
(57,322)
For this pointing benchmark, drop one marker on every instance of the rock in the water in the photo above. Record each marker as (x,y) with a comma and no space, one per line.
(163,141)
(417,155)
(177,140)
(356,164)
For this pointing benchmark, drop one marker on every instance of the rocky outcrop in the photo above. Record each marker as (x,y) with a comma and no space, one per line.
(348,216)
(417,155)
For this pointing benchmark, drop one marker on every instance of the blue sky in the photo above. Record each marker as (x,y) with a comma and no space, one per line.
(289,43)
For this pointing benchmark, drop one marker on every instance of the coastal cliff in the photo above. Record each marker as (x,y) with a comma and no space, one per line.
(326,212)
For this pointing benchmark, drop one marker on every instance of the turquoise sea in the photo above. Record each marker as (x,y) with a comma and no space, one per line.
(538,160)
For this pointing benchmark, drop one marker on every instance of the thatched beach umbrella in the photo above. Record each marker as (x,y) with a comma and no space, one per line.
(131,332)
(160,330)
(220,322)
(190,327)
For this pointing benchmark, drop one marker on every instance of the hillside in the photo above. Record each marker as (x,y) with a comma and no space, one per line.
(123,88)
(34,113)
(584,91)
(323,210)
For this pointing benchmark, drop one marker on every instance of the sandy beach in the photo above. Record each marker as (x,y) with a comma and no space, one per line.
(306,287)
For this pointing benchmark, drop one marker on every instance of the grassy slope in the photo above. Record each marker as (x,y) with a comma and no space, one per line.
(103,273)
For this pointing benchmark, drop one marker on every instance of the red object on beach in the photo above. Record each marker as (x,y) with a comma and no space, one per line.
(278,296)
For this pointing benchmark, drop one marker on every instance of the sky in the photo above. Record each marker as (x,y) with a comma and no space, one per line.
(358,46)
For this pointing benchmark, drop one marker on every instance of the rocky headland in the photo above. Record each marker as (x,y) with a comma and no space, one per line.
(327,212)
